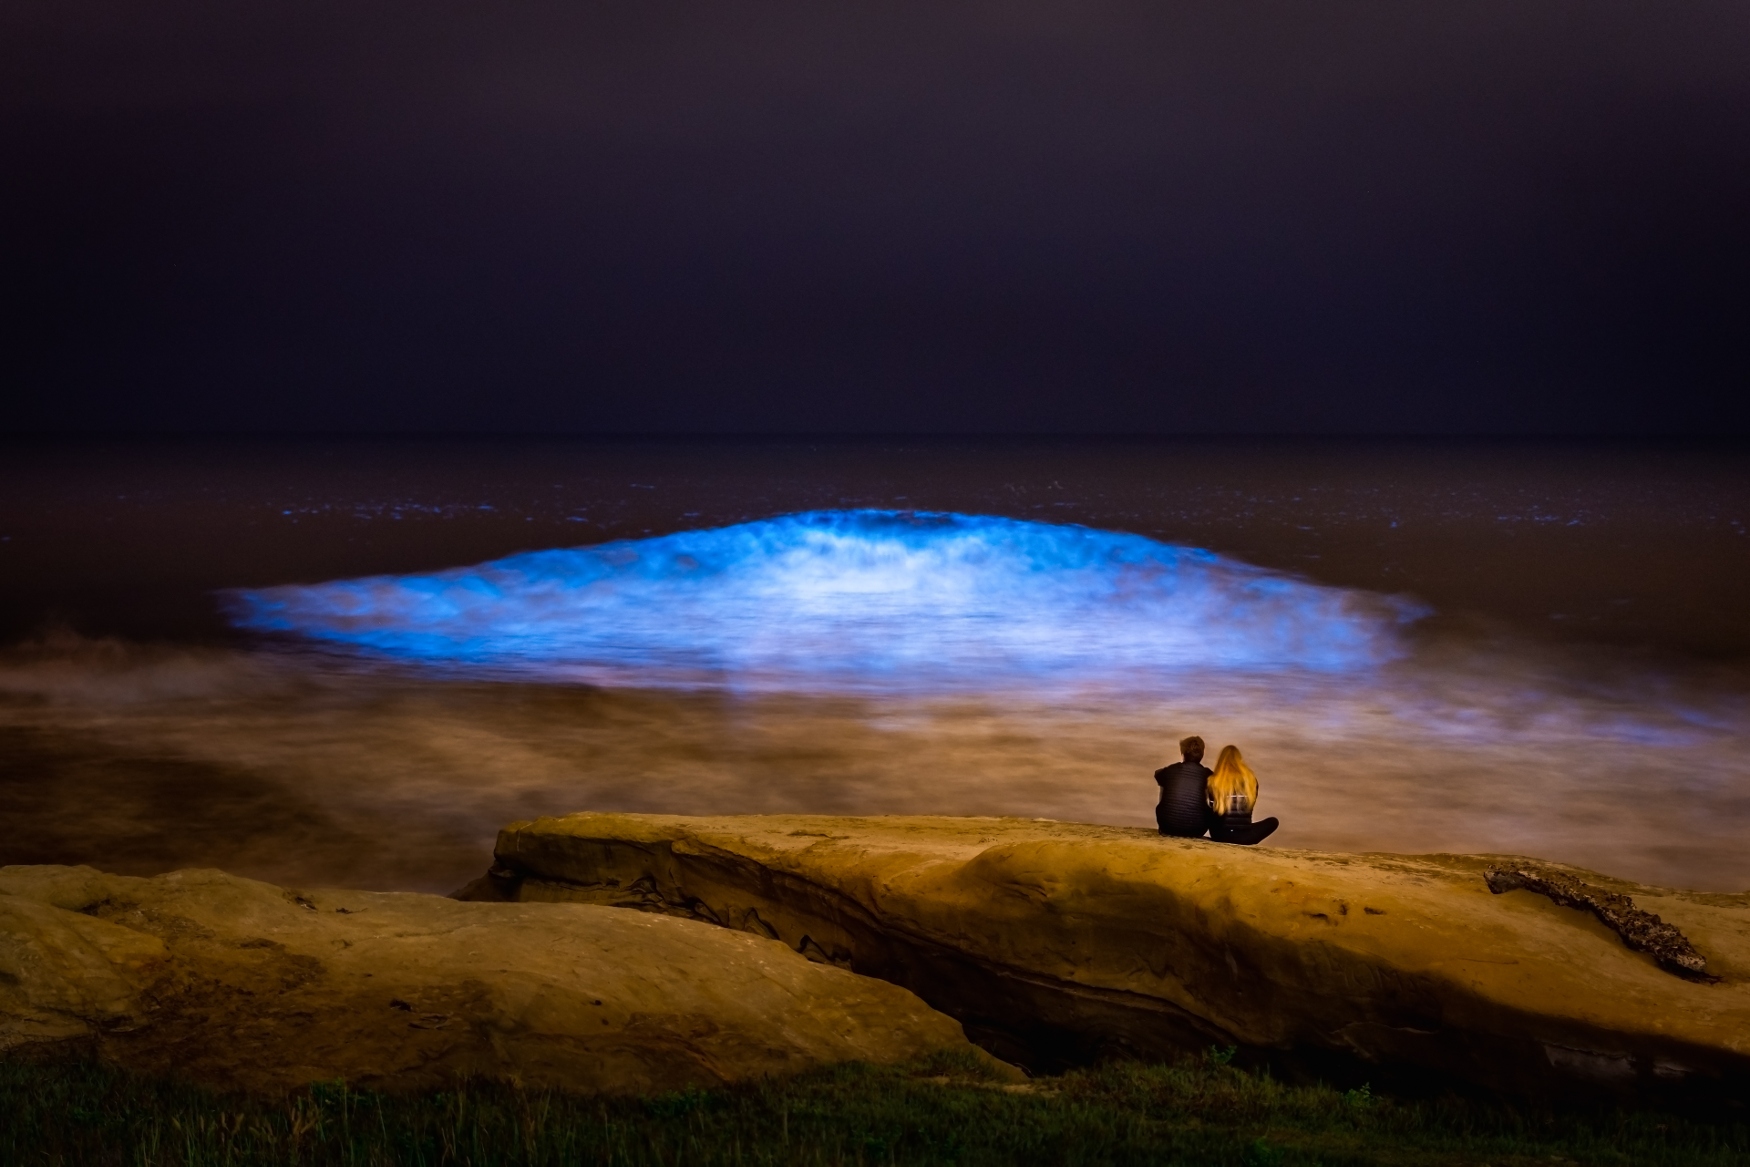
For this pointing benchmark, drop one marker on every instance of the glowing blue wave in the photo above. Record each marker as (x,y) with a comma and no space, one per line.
(850,599)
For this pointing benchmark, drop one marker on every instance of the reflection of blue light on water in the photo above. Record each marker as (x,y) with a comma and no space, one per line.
(850,599)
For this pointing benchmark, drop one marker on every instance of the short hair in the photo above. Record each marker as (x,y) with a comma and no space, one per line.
(1192,748)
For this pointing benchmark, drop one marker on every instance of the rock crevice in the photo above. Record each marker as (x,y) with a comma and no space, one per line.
(1057,943)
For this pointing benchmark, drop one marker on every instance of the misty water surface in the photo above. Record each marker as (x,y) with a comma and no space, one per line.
(368,738)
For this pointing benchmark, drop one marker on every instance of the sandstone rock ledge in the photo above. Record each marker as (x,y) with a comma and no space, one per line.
(1058,942)
(240,984)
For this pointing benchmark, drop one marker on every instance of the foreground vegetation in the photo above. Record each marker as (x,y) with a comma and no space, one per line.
(1204,1112)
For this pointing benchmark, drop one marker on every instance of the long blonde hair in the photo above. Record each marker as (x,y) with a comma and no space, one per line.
(1233,788)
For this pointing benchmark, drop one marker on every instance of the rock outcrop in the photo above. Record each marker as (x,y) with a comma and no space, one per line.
(236,983)
(1057,942)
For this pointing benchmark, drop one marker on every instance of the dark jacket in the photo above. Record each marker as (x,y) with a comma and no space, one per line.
(1184,806)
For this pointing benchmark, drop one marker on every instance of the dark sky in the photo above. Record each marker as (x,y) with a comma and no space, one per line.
(1500,216)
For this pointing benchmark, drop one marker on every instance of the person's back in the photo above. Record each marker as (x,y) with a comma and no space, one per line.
(1183,809)
(1233,792)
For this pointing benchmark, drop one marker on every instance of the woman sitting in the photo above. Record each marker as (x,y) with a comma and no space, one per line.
(1232,792)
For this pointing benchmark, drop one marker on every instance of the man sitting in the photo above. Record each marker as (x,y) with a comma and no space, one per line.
(1184,808)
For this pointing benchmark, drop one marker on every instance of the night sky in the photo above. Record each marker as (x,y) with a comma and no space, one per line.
(1387,216)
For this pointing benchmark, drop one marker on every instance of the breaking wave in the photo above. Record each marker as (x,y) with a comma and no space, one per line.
(860,600)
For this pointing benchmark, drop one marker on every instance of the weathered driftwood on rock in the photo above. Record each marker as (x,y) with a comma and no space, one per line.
(1641,931)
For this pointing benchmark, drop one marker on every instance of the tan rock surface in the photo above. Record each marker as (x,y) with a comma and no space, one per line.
(1056,942)
(241,984)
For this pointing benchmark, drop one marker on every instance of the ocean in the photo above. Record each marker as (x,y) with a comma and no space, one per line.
(328,662)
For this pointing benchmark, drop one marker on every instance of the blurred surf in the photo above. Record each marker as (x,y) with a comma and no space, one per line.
(851,601)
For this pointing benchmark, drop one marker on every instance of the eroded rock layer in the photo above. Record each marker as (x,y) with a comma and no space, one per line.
(241,984)
(1058,942)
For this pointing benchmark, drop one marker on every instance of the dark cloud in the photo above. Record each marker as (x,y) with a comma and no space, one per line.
(1253,215)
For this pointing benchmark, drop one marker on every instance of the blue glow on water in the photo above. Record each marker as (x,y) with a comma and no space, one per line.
(854,600)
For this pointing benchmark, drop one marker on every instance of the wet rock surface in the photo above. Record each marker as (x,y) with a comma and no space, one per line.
(1058,943)
(240,984)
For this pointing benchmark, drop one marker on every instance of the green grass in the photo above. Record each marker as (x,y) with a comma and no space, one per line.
(1204,1112)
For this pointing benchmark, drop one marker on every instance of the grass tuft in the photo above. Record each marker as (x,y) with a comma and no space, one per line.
(946,1110)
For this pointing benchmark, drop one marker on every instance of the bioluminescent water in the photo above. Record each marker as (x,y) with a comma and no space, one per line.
(1532,650)
(865,600)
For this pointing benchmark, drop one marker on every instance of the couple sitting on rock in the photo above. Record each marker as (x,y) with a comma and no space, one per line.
(1195,799)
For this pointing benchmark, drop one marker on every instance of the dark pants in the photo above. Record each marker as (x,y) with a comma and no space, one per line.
(1239,828)
(1177,830)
